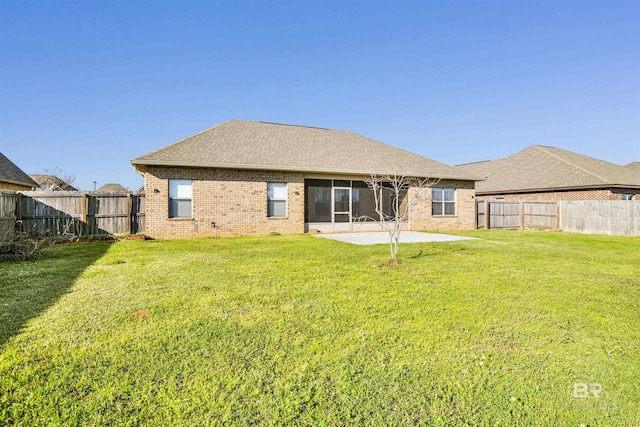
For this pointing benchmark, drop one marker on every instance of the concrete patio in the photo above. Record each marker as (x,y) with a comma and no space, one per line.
(382,237)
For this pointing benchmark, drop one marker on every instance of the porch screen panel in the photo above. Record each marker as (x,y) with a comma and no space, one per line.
(363,203)
(388,201)
(318,200)
(341,200)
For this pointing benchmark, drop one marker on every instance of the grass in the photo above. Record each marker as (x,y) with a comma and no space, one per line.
(295,330)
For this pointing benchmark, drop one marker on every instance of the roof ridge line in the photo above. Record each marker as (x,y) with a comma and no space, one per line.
(541,148)
(287,124)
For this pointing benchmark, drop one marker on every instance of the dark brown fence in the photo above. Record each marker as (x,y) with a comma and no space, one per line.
(72,213)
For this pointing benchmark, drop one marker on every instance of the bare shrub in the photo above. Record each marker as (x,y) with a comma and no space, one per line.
(21,245)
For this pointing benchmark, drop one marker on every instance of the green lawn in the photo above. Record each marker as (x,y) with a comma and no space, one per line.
(296,330)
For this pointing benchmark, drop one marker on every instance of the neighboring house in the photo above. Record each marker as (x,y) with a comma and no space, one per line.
(112,188)
(51,183)
(255,178)
(548,173)
(13,178)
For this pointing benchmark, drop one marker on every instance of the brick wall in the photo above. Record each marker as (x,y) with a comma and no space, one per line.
(592,194)
(224,203)
(234,203)
(464,219)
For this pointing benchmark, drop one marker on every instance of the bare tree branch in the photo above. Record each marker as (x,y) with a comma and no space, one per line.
(58,173)
(406,192)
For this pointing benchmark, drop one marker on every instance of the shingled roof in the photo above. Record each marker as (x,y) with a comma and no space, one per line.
(12,174)
(633,166)
(112,188)
(51,183)
(240,144)
(541,168)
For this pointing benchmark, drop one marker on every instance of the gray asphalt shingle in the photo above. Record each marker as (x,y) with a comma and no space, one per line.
(541,167)
(243,144)
(11,173)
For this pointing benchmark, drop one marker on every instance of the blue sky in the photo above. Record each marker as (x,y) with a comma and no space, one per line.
(85,86)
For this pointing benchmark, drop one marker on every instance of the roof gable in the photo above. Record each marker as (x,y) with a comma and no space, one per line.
(11,173)
(539,167)
(51,182)
(242,144)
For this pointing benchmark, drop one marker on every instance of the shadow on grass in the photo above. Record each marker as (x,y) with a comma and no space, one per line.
(28,288)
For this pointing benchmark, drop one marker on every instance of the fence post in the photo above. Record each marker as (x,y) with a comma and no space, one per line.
(487,215)
(129,210)
(558,214)
(85,211)
(18,213)
(521,214)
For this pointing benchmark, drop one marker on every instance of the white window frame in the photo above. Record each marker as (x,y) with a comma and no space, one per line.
(444,202)
(273,196)
(178,192)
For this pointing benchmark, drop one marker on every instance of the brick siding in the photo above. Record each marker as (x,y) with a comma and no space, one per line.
(591,194)
(229,202)
(464,219)
(225,202)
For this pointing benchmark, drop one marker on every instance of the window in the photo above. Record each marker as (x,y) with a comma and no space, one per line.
(627,197)
(276,199)
(179,198)
(443,201)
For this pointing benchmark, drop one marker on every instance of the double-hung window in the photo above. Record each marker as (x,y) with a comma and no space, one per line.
(443,201)
(180,198)
(276,199)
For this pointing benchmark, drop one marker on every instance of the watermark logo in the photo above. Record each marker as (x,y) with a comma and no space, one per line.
(586,390)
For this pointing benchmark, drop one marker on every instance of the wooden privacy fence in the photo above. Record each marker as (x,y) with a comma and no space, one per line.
(515,214)
(73,213)
(8,203)
(619,217)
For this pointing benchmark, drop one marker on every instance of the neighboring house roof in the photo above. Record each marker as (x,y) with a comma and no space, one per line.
(240,144)
(634,166)
(112,188)
(52,183)
(541,168)
(12,174)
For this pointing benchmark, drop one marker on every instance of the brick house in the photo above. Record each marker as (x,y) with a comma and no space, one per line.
(254,178)
(13,178)
(548,173)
